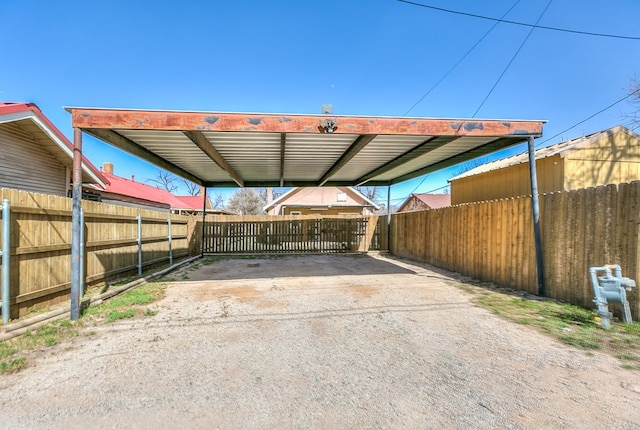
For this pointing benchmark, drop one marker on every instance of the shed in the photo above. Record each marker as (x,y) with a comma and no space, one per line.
(34,155)
(610,156)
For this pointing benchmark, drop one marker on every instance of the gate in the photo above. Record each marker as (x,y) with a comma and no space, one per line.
(294,234)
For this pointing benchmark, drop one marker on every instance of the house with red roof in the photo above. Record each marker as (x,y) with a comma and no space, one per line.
(418,202)
(35,156)
(129,192)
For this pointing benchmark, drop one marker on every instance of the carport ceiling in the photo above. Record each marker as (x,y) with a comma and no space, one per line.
(218,149)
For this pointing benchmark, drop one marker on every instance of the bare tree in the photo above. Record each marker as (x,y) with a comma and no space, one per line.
(372,193)
(165,181)
(246,201)
(217,200)
(192,189)
(634,115)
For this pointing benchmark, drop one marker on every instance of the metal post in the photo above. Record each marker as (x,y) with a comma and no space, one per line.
(6,256)
(204,219)
(139,245)
(82,256)
(75,224)
(170,250)
(389,218)
(535,207)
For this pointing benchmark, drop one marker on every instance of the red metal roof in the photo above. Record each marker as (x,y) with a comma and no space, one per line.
(7,108)
(435,201)
(140,190)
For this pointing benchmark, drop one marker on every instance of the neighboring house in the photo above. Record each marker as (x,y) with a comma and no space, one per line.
(607,157)
(321,201)
(34,155)
(128,192)
(417,202)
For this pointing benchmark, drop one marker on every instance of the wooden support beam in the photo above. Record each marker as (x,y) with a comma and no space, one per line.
(460,158)
(205,146)
(421,149)
(133,148)
(357,146)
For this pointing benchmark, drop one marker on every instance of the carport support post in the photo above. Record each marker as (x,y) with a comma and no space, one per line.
(535,207)
(75,224)
(204,218)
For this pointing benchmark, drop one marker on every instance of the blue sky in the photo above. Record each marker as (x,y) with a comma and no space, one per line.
(375,57)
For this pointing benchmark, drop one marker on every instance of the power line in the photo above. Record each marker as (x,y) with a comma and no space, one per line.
(591,116)
(460,60)
(524,24)
(511,61)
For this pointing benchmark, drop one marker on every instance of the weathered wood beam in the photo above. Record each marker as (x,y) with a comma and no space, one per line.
(283,143)
(423,148)
(205,146)
(212,121)
(460,158)
(133,148)
(357,146)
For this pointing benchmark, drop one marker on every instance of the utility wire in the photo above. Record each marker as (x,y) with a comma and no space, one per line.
(511,61)
(460,60)
(591,116)
(524,24)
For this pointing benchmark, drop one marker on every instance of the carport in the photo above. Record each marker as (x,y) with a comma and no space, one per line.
(221,149)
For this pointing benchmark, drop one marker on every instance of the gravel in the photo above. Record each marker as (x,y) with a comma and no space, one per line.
(318,341)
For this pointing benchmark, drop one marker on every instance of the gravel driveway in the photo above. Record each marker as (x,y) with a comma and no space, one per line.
(322,342)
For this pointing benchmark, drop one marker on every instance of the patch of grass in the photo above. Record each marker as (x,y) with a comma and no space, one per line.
(7,350)
(569,324)
(150,313)
(12,365)
(118,315)
(127,305)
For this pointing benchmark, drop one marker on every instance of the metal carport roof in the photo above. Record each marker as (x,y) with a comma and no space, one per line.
(221,149)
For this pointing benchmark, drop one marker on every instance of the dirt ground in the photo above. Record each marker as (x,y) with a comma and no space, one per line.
(320,341)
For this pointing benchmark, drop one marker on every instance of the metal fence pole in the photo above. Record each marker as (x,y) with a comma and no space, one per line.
(6,255)
(535,207)
(75,224)
(139,245)
(170,250)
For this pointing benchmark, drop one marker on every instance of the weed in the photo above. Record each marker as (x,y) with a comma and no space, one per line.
(628,357)
(118,315)
(12,365)
(225,310)
(6,350)
(150,313)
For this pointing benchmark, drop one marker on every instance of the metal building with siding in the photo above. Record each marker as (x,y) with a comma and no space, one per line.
(610,156)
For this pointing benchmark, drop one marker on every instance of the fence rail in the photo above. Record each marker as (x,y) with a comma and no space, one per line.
(493,240)
(294,234)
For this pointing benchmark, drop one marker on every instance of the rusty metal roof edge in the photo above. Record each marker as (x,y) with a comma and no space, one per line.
(70,108)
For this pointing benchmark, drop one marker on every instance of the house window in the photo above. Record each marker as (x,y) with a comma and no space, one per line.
(341,197)
(295,213)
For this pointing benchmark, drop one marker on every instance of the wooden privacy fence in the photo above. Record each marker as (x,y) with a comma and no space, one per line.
(493,241)
(40,243)
(295,234)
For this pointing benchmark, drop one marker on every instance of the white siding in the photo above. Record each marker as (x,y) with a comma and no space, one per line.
(25,165)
